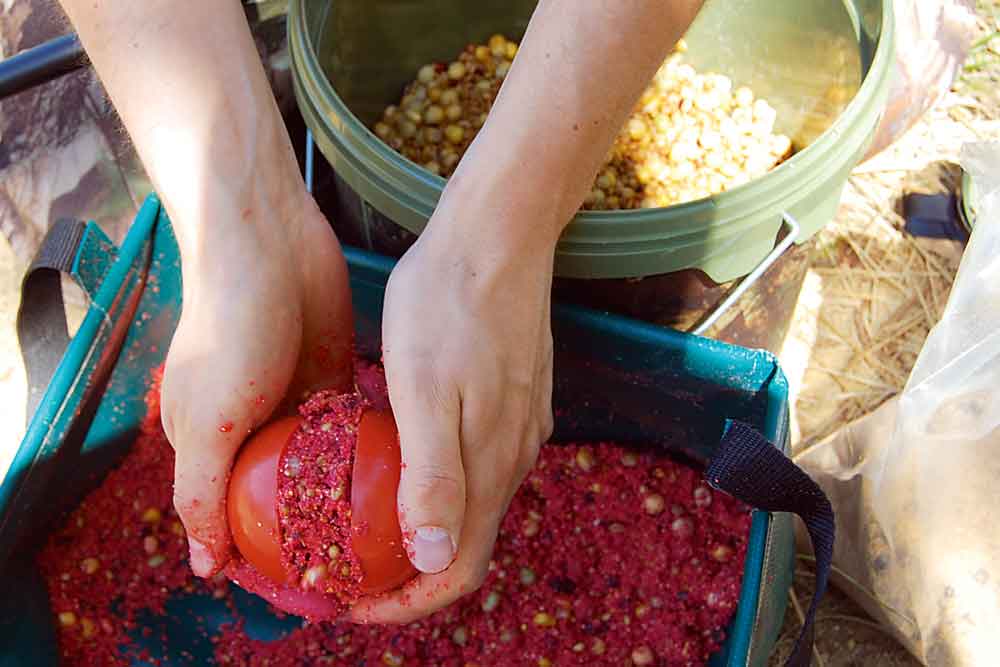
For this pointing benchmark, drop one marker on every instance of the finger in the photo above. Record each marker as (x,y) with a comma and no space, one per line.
(431,496)
(207,410)
(200,482)
(430,592)
(488,499)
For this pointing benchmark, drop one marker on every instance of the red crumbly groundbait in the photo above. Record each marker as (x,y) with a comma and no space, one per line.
(607,556)
(314,500)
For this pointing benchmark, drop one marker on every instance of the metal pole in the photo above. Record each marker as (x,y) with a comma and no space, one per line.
(40,64)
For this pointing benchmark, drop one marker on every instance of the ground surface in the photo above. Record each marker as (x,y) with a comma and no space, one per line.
(867,226)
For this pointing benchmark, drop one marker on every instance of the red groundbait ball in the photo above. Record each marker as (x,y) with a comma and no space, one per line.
(375,533)
(252,500)
(376,536)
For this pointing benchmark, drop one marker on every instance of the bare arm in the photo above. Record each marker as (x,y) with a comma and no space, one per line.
(579,70)
(190,89)
(467,339)
(265,283)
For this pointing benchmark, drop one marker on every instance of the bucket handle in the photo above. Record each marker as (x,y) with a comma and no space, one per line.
(794,229)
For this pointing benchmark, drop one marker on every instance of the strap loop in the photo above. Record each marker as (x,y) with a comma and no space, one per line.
(41,319)
(749,468)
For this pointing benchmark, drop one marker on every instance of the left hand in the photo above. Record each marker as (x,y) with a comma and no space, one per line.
(467,347)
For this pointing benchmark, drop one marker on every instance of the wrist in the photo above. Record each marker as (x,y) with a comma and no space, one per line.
(240,226)
(503,203)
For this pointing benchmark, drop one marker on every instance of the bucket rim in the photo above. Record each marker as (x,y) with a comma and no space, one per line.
(625,243)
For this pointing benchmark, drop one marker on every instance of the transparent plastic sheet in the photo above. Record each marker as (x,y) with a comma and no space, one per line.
(916,484)
(932,41)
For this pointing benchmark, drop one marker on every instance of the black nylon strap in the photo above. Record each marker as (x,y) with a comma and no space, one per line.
(749,468)
(934,216)
(41,319)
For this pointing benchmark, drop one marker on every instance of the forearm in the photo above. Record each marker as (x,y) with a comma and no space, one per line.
(578,72)
(192,93)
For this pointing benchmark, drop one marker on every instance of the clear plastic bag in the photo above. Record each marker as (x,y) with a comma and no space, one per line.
(932,41)
(916,484)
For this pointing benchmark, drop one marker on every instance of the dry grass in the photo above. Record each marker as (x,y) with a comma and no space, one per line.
(873,291)
(871,297)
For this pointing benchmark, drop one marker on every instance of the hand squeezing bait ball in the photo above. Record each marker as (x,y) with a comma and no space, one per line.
(312,507)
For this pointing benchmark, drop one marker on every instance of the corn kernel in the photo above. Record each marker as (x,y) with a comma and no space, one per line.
(454,133)
(653,504)
(643,656)
(407,129)
(314,577)
(744,96)
(431,135)
(391,659)
(607,179)
(426,74)
(449,161)
(544,620)
(498,46)
(432,116)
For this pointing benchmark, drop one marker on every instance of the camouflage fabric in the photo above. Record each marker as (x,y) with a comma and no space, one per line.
(63,151)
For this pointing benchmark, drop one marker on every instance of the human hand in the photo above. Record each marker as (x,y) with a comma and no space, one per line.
(266,314)
(467,348)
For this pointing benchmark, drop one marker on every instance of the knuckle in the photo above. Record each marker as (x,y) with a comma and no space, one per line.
(183,505)
(546,427)
(428,486)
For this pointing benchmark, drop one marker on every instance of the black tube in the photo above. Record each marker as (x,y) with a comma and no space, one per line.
(40,64)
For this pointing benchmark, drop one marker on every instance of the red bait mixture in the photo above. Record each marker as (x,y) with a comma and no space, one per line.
(314,499)
(607,556)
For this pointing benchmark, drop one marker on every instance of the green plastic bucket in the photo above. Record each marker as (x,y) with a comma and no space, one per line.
(614,379)
(823,64)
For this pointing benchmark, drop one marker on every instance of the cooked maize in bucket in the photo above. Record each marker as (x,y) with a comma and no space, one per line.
(690,135)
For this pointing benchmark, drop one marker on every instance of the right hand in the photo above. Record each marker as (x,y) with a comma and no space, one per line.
(266,314)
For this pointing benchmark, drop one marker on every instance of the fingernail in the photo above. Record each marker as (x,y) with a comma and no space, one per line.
(201,558)
(433,549)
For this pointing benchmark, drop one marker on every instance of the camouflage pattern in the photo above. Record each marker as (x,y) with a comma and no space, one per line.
(63,151)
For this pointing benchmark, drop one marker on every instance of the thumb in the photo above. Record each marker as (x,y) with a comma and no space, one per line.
(205,433)
(431,496)
(200,479)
